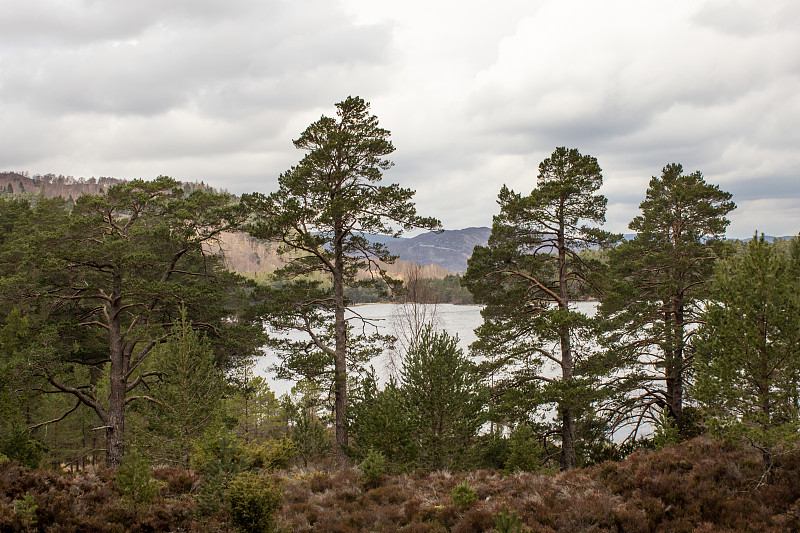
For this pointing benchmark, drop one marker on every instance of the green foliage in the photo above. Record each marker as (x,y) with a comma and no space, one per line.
(321,212)
(748,351)
(443,399)
(270,454)
(524,451)
(373,468)
(657,288)
(187,398)
(25,510)
(380,420)
(260,415)
(526,277)
(218,456)
(666,431)
(134,480)
(18,445)
(312,439)
(253,500)
(447,290)
(507,522)
(463,495)
(16,404)
(102,282)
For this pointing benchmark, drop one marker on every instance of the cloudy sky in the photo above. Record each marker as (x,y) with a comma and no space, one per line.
(475,93)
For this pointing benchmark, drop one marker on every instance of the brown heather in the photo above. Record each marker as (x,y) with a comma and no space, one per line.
(696,486)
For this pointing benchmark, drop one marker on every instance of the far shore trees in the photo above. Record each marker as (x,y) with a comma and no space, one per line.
(321,214)
(526,277)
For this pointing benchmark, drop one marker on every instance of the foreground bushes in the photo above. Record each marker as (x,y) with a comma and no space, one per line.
(695,486)
(93,503)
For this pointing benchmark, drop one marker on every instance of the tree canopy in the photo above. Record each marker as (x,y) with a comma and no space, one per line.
(748,350)
(104,284)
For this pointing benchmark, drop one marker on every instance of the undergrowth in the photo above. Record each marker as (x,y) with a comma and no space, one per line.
(696,486)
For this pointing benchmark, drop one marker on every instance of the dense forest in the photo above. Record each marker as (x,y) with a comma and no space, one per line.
(129,334)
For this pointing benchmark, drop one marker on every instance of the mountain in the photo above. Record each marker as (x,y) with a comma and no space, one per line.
(449,249)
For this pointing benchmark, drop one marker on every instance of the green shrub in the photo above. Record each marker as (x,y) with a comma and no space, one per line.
(665,433)
(311,439)
(25,510)
(524,451)
(18,446)
(253,500)
(218,450)
(373,468)
(135,482)
(505,522)
(218,457)
(463,495)
(270,455)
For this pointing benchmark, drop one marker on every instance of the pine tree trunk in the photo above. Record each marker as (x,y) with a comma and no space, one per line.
(568,456)
(340,370)
(115,425)
(674,365)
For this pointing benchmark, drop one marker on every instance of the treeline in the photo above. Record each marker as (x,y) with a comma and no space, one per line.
(446,290)
(126,339)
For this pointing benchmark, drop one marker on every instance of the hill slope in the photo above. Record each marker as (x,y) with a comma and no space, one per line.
(449,249)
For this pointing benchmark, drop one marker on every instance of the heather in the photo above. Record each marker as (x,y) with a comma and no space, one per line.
(699,485)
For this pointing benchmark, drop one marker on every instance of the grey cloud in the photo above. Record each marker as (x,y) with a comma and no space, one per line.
(81,22)
(164,65)
(211,90)
(732,18)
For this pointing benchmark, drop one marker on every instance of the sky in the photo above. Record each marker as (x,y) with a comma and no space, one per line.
(475,93)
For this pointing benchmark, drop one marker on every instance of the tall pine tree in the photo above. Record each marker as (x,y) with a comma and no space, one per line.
(660,283)
(748,350)
(529,275)
(321,214)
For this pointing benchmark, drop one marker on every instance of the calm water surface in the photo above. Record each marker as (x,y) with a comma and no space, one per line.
(458,320)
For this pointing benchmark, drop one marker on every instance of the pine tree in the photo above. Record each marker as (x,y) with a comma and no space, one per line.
(748,351)
(188,396)
(660,283)
(321,214)
(527,276)
(443,399)
(105,280)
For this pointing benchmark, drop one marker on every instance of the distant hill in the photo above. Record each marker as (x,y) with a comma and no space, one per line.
(253,257)
(768,238)
(24,185)
(449,249)
(51,186)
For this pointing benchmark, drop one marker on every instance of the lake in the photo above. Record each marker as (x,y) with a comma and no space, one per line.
(458,320)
